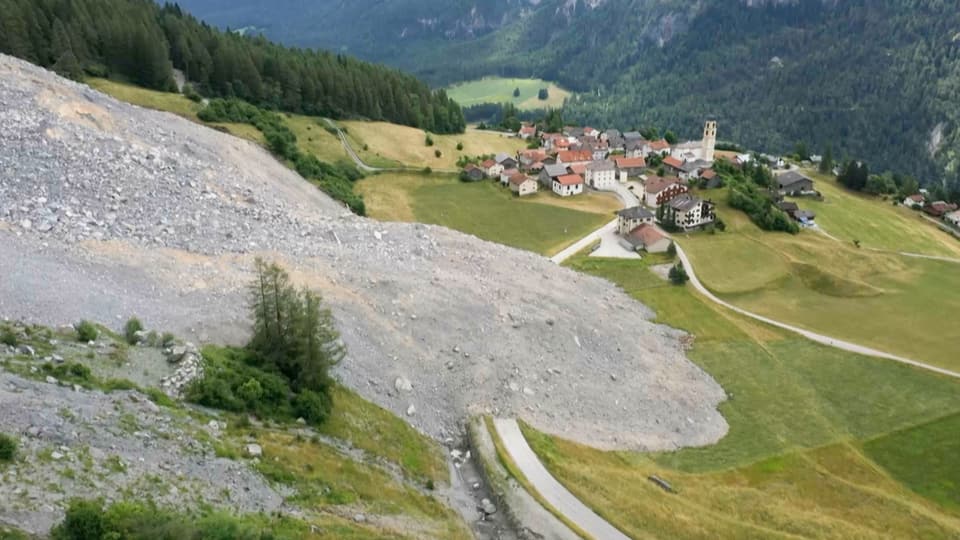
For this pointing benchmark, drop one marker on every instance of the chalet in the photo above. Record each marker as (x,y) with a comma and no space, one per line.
(710,179)
(953,218)
(527,132)
(506,160)
(916,199)
(648,237)
(629,166)
(491,168)
(939,208)
(661,147)
(658,190)
(601,174)
(472,173)
(631,218)
(506,174)
(568,184)
(689,212)
(551,172)
(522,185)
(574,156)
(793,183)
(673,165)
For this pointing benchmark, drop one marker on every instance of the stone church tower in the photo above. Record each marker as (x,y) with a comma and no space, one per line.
(709,139)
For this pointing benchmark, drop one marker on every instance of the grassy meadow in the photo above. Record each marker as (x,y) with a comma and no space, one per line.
(544,223)
(823,282)
(822,443)
(500,90)
(390,145)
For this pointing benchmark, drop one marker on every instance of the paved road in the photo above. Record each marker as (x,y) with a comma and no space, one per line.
(353,155)
(548,486)
(581,244)
(813,336)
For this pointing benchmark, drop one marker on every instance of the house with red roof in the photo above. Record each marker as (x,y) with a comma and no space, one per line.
(673,165)
(648,237)
(491,168)
(917,199)
(526,132)
(629,166)
(568,184)
(522,185)
(570,157)
(658,190)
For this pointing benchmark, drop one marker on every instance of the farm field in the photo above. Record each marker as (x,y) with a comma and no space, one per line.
(829,285)
(546,224)
(500,90)
(822,443)
(406,145)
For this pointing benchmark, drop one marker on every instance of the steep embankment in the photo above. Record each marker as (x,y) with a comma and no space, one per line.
(112,211)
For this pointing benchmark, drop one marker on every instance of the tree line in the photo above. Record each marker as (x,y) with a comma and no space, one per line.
(142,42)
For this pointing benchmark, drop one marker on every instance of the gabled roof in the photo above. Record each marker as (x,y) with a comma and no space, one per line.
(788,206)
(503,156)
(570,179)
(656,184)
(662,144)
(790,178)
(556,170)
(574,155)
(603,165)
(636,212)
(488,163)
(917,197)
(632,135)
(471,167)
(578,168)
(518,178)
(683,203)
(528,130)
(647,235)
(671,161)
(708,174)
(630,163)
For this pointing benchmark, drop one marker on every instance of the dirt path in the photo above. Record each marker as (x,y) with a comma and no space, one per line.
(548,486)
(353,155)
(582,244)
(813,336)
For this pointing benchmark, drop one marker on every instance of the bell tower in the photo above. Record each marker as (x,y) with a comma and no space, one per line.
(709,139)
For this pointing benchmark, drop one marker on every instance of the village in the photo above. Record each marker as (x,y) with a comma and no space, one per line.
(655,180)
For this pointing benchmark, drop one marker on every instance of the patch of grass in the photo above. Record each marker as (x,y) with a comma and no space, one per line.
(151,99)
(87,331)
(322,476)
(8,448)
(130,330)
(405,145)
(482,209)
(500,90)
(791,463)
(382,434)
(924,458)
(313,138)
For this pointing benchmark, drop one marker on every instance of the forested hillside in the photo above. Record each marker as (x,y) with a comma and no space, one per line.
(875,79)
(139,41)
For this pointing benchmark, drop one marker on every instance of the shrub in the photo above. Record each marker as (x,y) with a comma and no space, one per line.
(677,275)
(86,331)
(672,250)
(459,146)
(8,337)
(84,521)
(427,171)
(167,339)
(8,447)
(191,93)
(428,140)
(437,153)
(312,406)
(130,330)
(250,391)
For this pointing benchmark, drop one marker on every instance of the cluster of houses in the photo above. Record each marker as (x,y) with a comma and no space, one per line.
(948,212)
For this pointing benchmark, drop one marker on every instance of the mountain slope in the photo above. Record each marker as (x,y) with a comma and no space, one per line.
(877,80)
(108,210)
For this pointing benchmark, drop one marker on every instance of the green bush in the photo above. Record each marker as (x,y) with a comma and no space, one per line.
(459,146)
(130,330)
(84,521)
(8,337)
(677,275)
(86,331)
(312,406)
(438,153)
(8,447)
(428,140)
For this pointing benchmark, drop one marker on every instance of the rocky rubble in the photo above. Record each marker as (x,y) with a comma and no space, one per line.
(108,211)
(189,367)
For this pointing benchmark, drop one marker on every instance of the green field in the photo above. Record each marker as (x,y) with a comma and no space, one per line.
(822,443)
(826,284)
(544,223)
(499,90)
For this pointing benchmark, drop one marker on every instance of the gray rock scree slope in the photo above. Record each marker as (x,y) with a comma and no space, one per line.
(108,210)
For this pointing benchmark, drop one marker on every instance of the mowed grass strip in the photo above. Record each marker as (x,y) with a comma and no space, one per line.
(878,299)
(484,209)
(500,90)
(407,146)
(791,464)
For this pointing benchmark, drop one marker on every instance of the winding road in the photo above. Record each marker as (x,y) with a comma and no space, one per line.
(548,487)
(353,155)
(813,336)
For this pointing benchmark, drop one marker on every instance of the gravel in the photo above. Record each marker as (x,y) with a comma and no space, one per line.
(108,210)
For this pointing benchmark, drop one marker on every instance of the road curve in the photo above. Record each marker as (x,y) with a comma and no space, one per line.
(353,155)
(813,336)
(582,244)
(548,487)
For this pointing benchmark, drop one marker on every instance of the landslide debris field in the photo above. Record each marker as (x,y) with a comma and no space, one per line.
(109,211)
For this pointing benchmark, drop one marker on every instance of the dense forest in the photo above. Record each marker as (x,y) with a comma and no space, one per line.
(140,41)
(875,79)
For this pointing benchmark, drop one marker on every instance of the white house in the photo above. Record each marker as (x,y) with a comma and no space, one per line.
(601,174)
(953,218)
(567,185)
(658,190)
(491,168)
(916,199)
(631,218)
(522,185)
(506,174)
